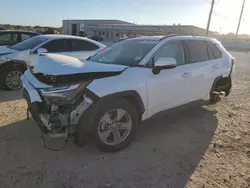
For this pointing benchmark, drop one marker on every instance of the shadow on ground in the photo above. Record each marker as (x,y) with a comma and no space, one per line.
(166,152)
(10,95)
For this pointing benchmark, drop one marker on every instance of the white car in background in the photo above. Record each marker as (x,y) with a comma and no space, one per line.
(15,59)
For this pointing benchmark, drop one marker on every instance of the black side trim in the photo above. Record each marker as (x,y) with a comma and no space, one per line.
(187,52)
(127,95)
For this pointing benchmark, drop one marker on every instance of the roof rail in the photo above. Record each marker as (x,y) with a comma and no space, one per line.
(170,35)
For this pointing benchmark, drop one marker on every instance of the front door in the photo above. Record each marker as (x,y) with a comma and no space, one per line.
(171,87)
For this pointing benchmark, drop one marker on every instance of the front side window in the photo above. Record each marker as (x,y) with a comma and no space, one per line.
(197,51)
(8,38)
(172,50)
(59,45)
(28,44)
(127,52)
(82,45)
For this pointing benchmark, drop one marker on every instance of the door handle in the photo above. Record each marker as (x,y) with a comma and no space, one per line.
(215,66)
(186,75)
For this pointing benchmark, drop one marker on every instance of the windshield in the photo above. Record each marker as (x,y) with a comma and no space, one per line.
(127,52)
(28,44)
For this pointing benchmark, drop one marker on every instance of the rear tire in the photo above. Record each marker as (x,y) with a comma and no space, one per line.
(108,120)
(214,98)
(10,77)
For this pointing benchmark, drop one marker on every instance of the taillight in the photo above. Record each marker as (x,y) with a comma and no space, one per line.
(233,61)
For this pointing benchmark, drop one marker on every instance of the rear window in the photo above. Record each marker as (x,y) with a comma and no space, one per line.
(214,50)
(197,51)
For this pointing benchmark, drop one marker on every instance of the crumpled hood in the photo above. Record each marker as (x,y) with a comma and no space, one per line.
(6,50)
(57,65)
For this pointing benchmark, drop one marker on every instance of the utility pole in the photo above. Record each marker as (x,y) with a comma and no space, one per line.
(238,28)
(209,17)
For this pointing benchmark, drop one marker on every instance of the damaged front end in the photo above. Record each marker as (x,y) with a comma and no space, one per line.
(57,109)
(56,91)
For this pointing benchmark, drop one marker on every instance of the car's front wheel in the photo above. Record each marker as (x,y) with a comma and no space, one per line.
(115,125)
(11,77)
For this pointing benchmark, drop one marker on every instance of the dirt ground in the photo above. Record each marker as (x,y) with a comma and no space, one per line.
(195,146)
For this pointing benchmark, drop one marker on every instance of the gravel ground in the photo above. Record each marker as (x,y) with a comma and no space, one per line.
(199,146)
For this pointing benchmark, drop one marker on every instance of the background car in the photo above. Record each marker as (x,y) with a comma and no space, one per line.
(96,38)
(15,59)
(11,37)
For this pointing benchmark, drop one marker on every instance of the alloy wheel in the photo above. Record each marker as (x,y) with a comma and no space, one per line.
(114,127)
(13,80)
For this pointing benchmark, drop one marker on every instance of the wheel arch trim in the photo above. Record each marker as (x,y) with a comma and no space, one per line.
(214,83)
(13,63)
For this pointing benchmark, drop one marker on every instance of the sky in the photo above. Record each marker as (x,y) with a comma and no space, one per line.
(165,12)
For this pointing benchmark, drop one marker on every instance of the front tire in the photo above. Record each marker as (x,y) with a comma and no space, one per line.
(115,125)
(11,77)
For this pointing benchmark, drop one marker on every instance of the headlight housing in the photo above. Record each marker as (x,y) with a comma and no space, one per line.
(63,94)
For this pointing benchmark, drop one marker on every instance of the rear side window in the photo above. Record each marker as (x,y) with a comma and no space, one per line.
(197,51)
(25,36)
(8,38)
(60,45)
(82,45)
(214,49)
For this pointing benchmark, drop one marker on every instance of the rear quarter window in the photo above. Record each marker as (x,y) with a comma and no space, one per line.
(214,49)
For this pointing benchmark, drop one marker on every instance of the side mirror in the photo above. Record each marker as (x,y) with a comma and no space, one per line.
(41,50)
(164,63)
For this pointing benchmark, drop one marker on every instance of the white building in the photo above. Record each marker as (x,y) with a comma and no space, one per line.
(113,30)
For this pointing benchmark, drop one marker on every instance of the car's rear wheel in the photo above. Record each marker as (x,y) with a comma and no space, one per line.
(115,125)
(214,98)
(11,77)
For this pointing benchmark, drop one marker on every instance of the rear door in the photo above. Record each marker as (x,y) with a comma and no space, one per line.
(200,67)
(218,64)
(81,49)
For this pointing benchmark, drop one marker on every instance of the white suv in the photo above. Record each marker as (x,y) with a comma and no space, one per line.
(108,95)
